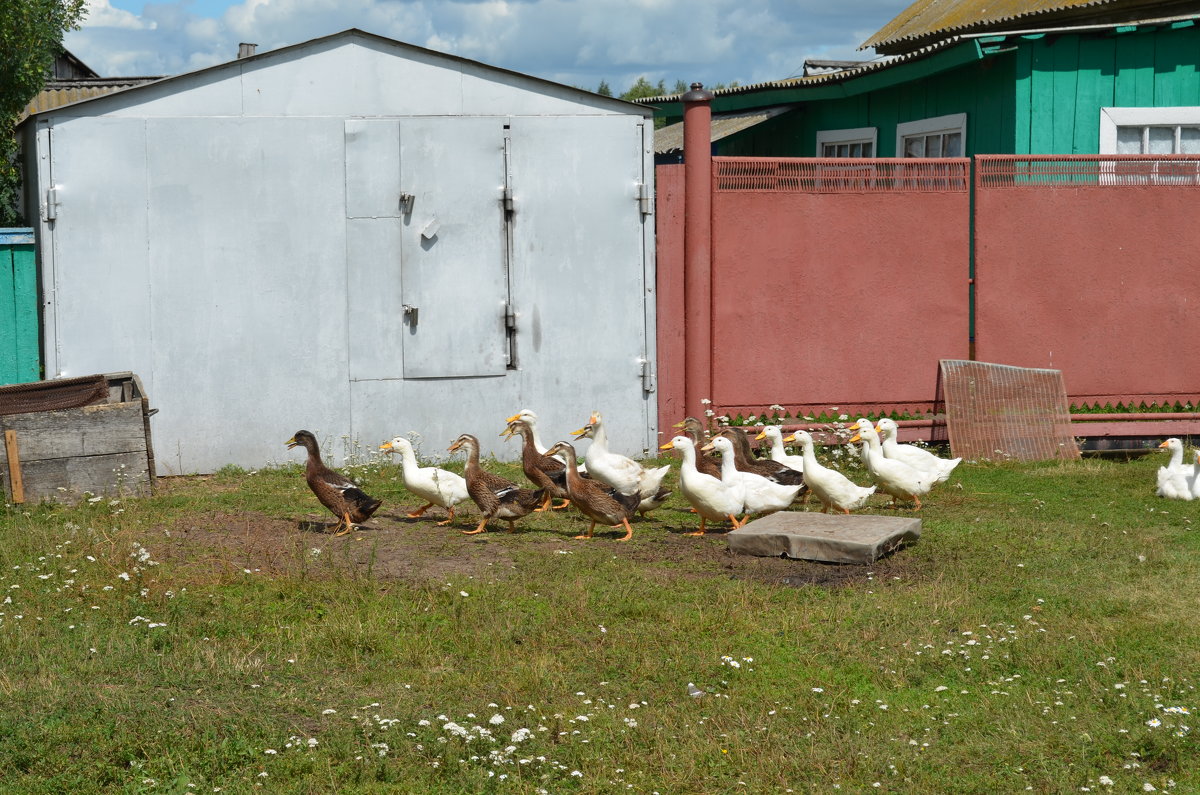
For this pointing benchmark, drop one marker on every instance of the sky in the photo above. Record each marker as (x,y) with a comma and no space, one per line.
(576,42)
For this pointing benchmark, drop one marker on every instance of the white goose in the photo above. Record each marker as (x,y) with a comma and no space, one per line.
(914,456)
(436,486)
(773,433)
(893,477)
(621,472)
(760,495)
(1175,480)
(831,487)
(712,498)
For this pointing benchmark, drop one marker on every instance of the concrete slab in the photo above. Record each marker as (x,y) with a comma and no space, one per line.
(824,537)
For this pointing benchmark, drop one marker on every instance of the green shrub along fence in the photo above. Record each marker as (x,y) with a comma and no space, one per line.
(20,361)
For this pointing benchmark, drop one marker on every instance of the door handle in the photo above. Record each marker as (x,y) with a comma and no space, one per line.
(412,313)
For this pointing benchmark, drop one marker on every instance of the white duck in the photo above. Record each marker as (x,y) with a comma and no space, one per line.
(914,456)
(760,495)
(1175,480)
(436,486)
(893,477)
(775,435)
(620,472)
(831,487)
(713,498)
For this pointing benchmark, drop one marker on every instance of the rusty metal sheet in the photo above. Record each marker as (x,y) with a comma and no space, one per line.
(996,411)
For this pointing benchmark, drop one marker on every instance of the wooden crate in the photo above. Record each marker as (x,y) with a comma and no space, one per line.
(101,449)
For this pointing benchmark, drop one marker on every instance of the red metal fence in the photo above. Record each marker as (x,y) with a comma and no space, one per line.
(842,283)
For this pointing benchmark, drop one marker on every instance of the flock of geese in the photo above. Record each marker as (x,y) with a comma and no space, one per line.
(609,488)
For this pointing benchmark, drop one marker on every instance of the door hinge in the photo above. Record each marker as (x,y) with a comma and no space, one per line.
(645,200)
(51,212)
(510,318)
(507,198)
(647,376)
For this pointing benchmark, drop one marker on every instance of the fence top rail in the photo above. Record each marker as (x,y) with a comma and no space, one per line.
(987,159)
(842,175)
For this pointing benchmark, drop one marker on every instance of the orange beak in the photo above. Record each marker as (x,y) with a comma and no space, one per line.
(856,438)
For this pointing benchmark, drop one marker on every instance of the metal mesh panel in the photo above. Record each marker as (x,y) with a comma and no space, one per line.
(66,393)
(842,175)
(1019,171)
(994,411)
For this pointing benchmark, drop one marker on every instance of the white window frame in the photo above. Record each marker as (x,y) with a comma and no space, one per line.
(852,135)
(954,122)
(1112,118)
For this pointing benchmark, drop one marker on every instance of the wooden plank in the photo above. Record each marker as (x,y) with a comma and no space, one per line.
(1134,83)
(12,452)
(1023,100)
(1095,91)
(1064,84)
(68,479)
(92,430)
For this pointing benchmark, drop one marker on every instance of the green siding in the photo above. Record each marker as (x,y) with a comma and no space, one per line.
(1034,94)
(969,89)
(19,351)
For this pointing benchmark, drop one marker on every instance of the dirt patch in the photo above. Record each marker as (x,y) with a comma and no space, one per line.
(394,547)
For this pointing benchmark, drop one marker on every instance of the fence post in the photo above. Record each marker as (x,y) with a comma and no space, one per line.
(697,248)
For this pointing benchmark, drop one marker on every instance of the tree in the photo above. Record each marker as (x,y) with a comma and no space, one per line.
(642,88)
(31,36)
(604,89)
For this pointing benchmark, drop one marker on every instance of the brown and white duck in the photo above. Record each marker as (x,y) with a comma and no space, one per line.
(542,470)
(496,497)
(595,500)
(342,496)
(744,460)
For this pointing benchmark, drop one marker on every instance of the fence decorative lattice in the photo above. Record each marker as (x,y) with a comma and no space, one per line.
(995,411)
(834,175)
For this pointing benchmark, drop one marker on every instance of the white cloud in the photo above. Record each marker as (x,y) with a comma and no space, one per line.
(578,42)
(102,15)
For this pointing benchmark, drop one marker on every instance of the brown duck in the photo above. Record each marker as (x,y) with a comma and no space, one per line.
(595,500)
(342,496)
(496,497)
(705,464)
(542,470)
(744,460)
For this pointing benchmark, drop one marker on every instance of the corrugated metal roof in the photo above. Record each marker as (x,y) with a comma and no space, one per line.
(57,93)
(670,138)
(926,19)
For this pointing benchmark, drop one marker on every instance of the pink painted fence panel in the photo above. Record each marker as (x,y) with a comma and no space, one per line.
(1088,264)
(835,285)
(668,214)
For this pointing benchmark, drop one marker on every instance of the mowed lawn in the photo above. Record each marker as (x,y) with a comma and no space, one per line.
(1042,635)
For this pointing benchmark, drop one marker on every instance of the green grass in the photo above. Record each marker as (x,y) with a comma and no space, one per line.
(1042,634)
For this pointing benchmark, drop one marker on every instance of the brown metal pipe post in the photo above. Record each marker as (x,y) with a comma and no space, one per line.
(697,248)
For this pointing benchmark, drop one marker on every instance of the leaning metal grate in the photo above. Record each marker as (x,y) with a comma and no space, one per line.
(1020,171)
(842,175)
(994,411)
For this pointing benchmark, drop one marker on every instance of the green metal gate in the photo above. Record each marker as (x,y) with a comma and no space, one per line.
(20,361)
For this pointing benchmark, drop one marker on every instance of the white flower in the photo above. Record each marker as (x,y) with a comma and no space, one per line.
(577,774)
(312,742)
(496,719)
(1106,781)
(329,712)
(1148,787)
(123,575)
(463,593)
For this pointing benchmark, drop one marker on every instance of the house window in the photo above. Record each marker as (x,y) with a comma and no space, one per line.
(940,136)
(1150,131)
(856,142)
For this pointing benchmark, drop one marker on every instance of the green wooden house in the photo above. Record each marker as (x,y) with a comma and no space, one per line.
(982,77)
